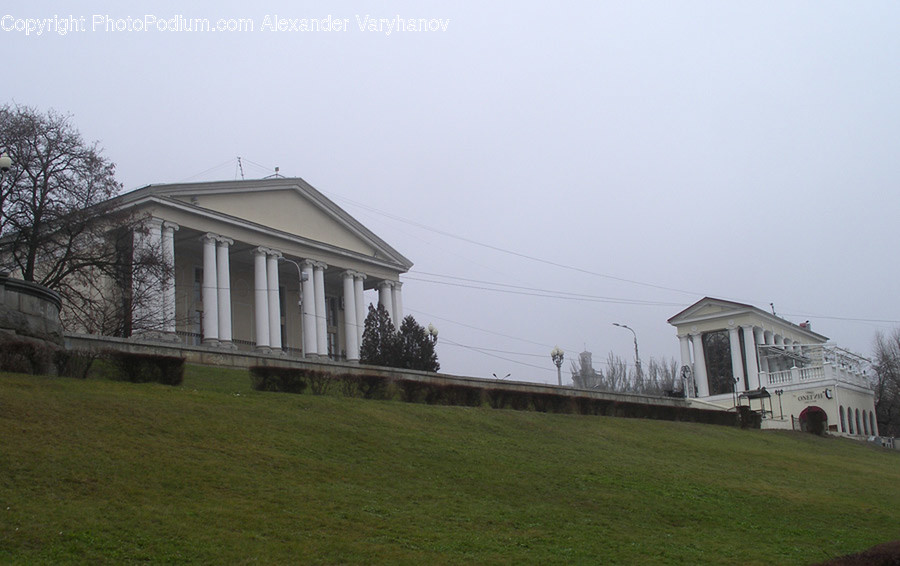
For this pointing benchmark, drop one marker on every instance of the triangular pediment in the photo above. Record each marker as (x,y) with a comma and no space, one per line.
(290,212)
(284,207)
(708,308)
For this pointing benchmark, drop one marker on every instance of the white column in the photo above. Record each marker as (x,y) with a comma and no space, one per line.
(751,336)
(223,276)
(149,299)
(397,298)
(210,291)
(274,300)
(261,296)
(737,365)
(360,306)
(310,347)
(764,337)
(385,298)
(685,350)
(351,336)
(168,248)
(700,366)
(321,317)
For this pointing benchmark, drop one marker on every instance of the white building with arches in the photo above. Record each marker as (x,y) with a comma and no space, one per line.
(738,353)
(270,265)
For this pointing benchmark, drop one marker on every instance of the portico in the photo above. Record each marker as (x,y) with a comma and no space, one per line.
(734,350)
(270,265)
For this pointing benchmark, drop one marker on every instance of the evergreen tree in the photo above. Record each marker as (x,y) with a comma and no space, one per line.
(417,346)
(380,344)
(413,347)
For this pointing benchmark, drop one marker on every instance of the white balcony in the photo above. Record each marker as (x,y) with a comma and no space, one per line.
(826,371)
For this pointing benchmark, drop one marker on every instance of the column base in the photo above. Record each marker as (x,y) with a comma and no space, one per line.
(263,350)
(210,342)
(227,345)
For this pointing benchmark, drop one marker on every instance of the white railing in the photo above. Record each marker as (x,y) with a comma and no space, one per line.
(777,377)
(813,373)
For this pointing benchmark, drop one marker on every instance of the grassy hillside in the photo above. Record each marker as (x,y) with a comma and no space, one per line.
(211,472)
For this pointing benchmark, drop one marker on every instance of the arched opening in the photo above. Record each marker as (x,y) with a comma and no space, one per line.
(843,420)
(814,419)
(850,420)
(865,423)
(858,428)
(872,426)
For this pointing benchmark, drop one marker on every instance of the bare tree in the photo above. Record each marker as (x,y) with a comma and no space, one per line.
(659,377)
(61,228)
(886,382)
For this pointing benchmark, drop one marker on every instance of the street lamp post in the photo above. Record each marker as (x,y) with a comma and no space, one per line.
(301,277)
(637,358)
(780,392)
(557,356)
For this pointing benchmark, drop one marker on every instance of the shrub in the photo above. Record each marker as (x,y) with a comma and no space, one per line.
(146,368)
(453,394)
(26,356)
(74,363)
(499,398)
(373,386)
(551,403)
(319,382)
(349,384)
(463,395)
(412,391)
(588,405)
(277,379)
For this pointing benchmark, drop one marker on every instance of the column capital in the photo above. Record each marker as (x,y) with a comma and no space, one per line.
(386,283)
(360,276)
(320,265)
(310,263)
(275,253)
(223,241)
(209,237)
(153,221)
(261,251)
(349,274)
(169,225)
(398,284)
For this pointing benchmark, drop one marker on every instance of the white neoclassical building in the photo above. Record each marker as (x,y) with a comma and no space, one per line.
(738,353)
(268,265)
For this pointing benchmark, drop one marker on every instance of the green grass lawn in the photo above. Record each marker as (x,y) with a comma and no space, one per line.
(211,472)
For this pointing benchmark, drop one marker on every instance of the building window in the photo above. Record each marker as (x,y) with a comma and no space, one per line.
(843,421)
(858,429)
(717,350)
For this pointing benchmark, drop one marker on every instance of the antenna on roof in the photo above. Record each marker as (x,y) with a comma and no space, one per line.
(241,167)
(277,175)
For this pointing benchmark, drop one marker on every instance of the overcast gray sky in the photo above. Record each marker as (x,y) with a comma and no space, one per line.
(640,155)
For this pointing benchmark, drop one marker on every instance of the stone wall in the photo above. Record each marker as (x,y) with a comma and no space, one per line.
(29,311)
(613,404)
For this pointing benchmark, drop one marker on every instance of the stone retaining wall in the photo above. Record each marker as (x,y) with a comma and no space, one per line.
(28,310)
(620,404)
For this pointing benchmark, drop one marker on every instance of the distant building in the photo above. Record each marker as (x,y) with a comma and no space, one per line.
(269,264)
(738,353)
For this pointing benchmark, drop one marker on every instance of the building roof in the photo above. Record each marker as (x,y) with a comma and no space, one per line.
(286,207)
(710,308)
